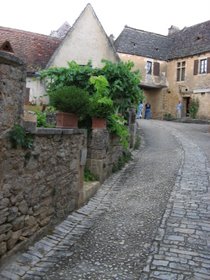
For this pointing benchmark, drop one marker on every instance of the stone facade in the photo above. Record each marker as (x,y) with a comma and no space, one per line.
(172,68)
(153,86)
(194,86)
(164,92)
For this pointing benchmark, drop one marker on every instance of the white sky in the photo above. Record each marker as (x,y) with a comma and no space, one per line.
(43,16)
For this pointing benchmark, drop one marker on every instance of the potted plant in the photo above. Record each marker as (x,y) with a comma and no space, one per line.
(101,105)
(100,109)
(71,102)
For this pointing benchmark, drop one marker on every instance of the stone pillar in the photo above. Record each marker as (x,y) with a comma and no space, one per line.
(98,145)
(12,90)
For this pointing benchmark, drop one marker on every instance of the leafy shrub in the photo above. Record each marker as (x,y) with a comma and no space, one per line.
(168,117)
(41,119)
(20,138)
(194,106)
(116,125)
(88,176)
(101,106)
(73,75)
(123,83)
(70,100)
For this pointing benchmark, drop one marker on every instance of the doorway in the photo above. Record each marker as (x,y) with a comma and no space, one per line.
(186,101)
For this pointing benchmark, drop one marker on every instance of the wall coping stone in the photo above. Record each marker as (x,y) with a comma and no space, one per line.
(60,131)
(10,59)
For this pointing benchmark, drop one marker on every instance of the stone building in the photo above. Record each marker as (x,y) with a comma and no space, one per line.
(173,67)
(85,40)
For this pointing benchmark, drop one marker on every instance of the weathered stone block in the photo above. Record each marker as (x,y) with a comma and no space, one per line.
(18,223)
(3,248)
(13,213)
(14,238)
(3,215)
(4,203)
(5,228)
(23,207)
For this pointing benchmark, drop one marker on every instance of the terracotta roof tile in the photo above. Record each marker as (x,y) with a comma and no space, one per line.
(33,48)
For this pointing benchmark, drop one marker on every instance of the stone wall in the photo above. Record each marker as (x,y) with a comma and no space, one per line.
(41,185)
(104,150)
(12,90)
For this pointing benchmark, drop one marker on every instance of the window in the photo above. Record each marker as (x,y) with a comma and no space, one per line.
(203,66)
(180,71)
(149,67)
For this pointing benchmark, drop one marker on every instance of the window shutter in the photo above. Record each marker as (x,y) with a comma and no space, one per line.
(195,72)
(156,70)
(208,65)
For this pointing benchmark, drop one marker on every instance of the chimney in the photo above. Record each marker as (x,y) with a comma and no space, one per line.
(173,29)
(111,37)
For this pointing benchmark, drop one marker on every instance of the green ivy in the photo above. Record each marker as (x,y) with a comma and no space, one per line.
(41,119)
(124,84)
(194,106)
(89,176)
(20,138)
(116,124)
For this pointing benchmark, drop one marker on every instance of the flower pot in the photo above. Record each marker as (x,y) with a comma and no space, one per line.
(98,123)
(66,120)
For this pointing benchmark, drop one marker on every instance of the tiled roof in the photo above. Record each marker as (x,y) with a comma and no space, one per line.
(186,42)
(190,41)
(34,49)
(142,43)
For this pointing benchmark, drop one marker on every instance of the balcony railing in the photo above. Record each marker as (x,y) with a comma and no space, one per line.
(154,82)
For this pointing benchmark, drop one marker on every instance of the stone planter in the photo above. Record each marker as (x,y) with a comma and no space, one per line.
(98,123)
(66,120)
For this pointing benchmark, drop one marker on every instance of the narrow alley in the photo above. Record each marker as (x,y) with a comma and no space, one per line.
(151,220)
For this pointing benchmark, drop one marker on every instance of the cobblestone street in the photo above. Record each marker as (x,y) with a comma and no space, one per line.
(151,220)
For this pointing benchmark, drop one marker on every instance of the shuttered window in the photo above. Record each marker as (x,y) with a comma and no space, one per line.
(202,66)
(208,65)
(156,69)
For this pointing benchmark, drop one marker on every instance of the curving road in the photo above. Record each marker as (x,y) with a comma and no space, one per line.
(151,220)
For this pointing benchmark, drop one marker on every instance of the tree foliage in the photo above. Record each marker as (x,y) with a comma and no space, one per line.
(124,84)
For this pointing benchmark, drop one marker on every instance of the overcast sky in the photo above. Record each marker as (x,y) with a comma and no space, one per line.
(43,16)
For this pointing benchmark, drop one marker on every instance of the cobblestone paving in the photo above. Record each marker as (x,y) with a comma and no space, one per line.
(134,227)
(182,246)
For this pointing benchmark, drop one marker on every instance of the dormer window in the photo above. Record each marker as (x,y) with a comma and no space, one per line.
(6,46)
